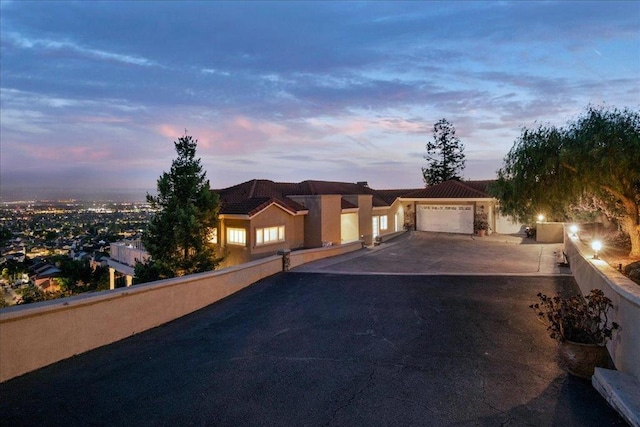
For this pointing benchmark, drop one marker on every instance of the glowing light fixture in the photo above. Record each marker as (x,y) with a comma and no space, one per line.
(596,245)
(574,230)
(540,218)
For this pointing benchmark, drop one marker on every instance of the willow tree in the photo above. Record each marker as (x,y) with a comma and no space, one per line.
(178,234)
(595,157)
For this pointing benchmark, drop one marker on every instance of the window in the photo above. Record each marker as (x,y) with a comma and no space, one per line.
(269,235)
(213,236)
(383,222)
(236,236)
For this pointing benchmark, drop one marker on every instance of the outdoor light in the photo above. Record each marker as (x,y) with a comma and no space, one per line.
(596,245)
(540,218)
(574,230)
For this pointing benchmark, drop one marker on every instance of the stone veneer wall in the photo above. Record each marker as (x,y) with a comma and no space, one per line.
(590,273)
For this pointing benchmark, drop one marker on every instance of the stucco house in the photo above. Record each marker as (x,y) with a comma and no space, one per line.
(260,217)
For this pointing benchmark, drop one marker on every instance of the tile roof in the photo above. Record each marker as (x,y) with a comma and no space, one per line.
(249,198)
(451,189)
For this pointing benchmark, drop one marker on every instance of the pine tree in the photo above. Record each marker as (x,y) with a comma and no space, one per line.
(445,155)
(178,234)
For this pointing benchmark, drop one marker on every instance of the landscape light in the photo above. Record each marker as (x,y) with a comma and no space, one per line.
(596,245)
(574,230)
(540,218)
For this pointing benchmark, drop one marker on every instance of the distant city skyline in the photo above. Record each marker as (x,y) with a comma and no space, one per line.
(93,94)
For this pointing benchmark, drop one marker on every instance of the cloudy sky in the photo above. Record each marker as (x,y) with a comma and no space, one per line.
(93,94)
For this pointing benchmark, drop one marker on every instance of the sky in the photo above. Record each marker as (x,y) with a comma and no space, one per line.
(93,94)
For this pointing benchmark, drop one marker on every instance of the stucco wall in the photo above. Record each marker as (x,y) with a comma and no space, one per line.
(36,335)
(271,217)
(301,257)
(364,202)
(549,232)
(590,274)
(322,223)
(505,225)
(234,254)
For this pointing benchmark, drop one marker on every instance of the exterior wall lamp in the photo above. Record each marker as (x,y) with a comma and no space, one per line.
(574,230)
(540,218)
(596,245)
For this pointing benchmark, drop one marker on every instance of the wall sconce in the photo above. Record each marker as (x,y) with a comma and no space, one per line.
(596,245)
(540,218)
(574,230)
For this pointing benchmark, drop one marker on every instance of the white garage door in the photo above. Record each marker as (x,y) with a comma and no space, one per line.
(445,218)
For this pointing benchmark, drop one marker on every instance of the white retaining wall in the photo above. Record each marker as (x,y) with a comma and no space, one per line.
(589,273)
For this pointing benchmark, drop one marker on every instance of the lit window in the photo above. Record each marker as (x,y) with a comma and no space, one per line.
(269,235)
(213,236)
(236,236)
(383,222)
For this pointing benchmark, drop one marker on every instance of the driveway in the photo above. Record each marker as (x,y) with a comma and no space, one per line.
(421,252)
(322,349)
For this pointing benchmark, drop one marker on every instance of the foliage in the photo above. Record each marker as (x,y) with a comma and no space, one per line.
(177,236)
(445,155)
(150,271)
(582,320)
(481,222)
(32,293)
(592,163)
(13,268)
(5,235)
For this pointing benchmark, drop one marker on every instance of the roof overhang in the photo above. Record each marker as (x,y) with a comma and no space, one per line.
(250,217)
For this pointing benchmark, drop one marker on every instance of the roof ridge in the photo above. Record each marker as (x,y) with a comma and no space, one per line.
(470,187)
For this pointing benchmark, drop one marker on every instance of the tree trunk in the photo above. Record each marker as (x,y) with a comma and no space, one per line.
(633,228)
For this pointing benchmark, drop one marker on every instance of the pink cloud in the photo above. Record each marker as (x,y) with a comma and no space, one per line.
(238,136)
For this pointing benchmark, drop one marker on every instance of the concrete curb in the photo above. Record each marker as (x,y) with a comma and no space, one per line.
(621,391)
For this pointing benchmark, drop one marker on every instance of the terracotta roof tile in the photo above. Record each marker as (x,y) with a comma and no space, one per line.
(252,196)
(448,190)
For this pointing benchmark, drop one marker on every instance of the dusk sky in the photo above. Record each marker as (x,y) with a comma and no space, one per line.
(93,94)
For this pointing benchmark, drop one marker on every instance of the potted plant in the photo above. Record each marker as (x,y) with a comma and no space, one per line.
(481,224)
(581,326)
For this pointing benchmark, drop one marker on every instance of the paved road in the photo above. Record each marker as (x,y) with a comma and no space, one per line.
(322,349)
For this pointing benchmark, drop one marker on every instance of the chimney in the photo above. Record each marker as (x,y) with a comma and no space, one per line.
(363,184)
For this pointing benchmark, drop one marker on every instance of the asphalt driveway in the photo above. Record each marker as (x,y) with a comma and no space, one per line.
(327,350)
(439,253)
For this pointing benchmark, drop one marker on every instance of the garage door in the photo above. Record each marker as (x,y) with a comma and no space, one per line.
(445,218)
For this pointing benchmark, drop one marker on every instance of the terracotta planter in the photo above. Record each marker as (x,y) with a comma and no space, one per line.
(581,359)
(481,233)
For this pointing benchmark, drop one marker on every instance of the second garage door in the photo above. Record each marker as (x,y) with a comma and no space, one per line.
(445,218)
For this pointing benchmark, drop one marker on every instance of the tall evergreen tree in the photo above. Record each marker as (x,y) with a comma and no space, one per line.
(178,234)
(445,155)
